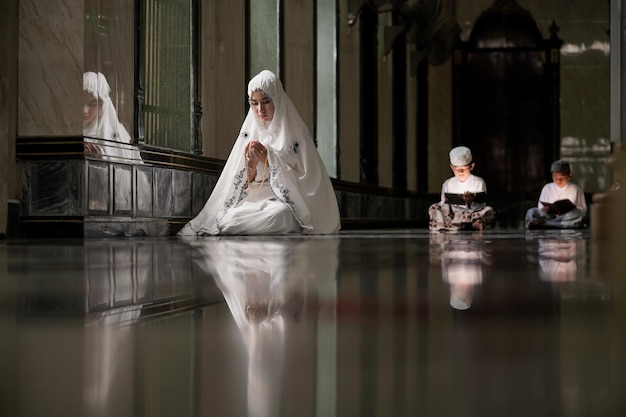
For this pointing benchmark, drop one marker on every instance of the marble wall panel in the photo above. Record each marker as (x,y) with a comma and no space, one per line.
(396,207)
(622,78)
(48,187)
(9,185)
(385,108)
(392,208)
(51,36)
(143,191)
(370,207)
(416,210)
(350,204)
(339,201)
(26,202)
(181,189)
(122,190)
(115,199)
(202,185)
(378,208)
(222,91)
(77,184)
(98,188)
(298,53)
(439,128)
(349,95)
(52,188)
(162,192)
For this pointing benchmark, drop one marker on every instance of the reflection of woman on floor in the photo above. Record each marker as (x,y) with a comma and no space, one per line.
(272,288)
(105,136)
(109,347)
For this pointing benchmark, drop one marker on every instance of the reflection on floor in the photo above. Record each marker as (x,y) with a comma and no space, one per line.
(366,323)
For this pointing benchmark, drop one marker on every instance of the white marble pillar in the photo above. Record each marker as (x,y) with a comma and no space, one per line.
(8,73)
(51,56)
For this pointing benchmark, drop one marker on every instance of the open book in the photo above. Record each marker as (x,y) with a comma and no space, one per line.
(559,206)
(452,198)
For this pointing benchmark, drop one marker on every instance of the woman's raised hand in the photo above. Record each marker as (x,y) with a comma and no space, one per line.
(256,153)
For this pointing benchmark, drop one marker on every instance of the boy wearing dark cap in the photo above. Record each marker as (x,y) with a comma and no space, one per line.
(561,205)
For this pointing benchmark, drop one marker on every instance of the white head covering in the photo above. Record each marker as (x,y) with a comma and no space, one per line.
(106,125)
(298,176)
(460,156)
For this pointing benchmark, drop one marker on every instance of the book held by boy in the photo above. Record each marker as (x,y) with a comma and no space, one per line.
(452,198)
(559,206)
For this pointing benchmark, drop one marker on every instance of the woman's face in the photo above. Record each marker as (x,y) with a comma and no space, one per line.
(262,106)
(92,108)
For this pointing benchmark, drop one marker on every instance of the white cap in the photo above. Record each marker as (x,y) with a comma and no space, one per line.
(460,156)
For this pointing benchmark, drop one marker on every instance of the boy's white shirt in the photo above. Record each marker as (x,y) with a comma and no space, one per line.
(552,192)
(472,184)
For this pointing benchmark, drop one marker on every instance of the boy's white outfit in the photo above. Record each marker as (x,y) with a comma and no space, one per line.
(551,193)
(447,216)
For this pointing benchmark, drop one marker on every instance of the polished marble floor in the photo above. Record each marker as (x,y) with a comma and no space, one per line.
(366,323)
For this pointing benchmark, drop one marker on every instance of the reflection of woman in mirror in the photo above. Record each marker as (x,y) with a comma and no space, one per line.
(99,116)
(100,121)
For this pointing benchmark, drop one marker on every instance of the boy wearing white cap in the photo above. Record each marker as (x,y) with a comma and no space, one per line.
(462,204)
(562,204)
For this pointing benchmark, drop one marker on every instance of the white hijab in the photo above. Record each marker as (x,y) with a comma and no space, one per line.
(298,176)
(106,125)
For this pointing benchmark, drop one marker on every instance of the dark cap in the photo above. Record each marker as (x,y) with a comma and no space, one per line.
(560,166)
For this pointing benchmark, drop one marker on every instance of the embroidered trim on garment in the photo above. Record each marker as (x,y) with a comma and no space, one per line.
(234,199)
(282,193)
